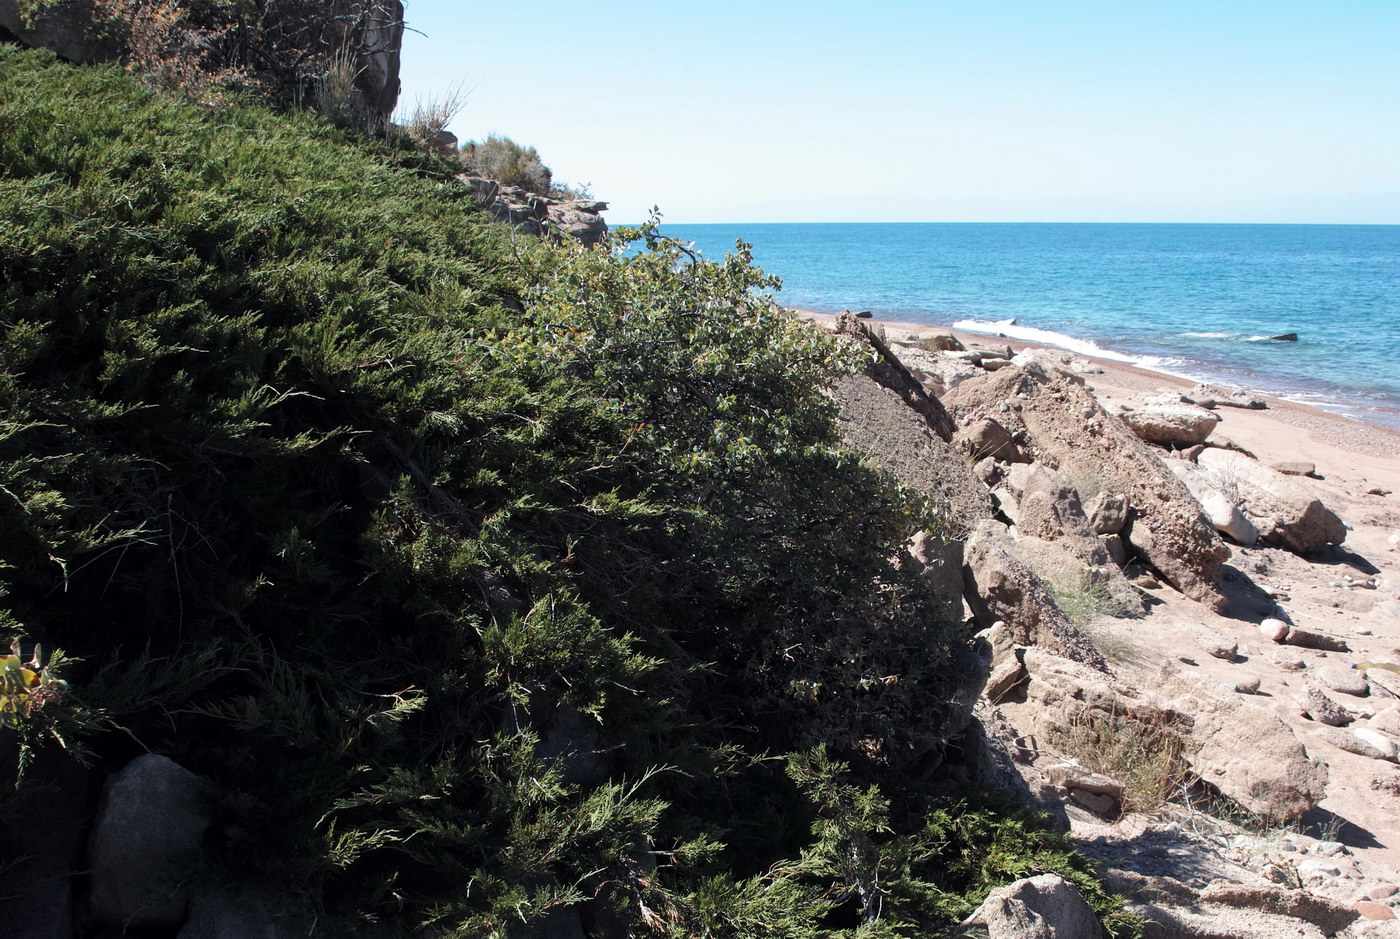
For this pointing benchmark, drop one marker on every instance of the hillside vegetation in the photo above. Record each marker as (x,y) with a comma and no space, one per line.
(487,579)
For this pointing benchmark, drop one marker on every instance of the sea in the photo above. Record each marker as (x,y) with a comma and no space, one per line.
(1199,301)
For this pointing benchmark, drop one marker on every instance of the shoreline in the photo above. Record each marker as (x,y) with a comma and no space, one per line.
(1121,381)
(1385,416)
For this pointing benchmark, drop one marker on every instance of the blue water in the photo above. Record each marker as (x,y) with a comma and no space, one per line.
(1193,300)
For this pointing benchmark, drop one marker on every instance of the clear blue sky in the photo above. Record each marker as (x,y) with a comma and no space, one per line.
(941,110)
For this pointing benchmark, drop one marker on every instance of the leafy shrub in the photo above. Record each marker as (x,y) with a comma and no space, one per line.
(506,161)
(484,579)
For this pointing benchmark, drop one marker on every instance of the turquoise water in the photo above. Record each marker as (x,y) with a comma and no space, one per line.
(1194,300)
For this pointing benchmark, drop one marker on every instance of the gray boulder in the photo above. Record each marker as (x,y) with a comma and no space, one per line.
(1042,907)
(1218,507)
(65,28)
(1172,424)
(145,843)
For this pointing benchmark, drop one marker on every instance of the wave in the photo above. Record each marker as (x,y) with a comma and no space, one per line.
(1010,330)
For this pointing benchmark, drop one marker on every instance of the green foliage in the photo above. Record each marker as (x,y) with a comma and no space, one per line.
(510,163)
(485,580)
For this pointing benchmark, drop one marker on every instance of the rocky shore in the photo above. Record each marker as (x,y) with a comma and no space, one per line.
(1172,584)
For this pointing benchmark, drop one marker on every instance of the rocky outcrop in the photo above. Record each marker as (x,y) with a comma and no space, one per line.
(289,39)
(1284,510)
(1067,430)
(1042,907)
(535,214)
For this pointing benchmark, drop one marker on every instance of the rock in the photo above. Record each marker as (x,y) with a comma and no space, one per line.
(1351,742)
(1387,722)
(1105,806)
(1042,907)
(1219,508)
(1294,468)
(1107,511)
(1004,678)
(1274,630)
(1240,748)
(1175,424)
(537,215)
(1321,708)
(1344,680)
(148,831)
(1071,776)
(1223,396)
(1312,640)
(1050,511)
(1284,510)
(1378,740)
(1284,337)
(224,915)
(939,559)
(988,438)
(1113,545)
(941,342)
(1390,608)
(1249,755)
(65,28)
(1244,686)
(1219,647)
(1373,911)
(1000,588)
(878,422)
(1326,914)
(1165,526)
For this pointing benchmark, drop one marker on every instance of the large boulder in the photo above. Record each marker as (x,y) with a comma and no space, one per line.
(1285,510)
(877,421)
(999,587)
(1068,431)
(150,822)
(1218,507)
(65,28)
(1180,425)
(1043,907)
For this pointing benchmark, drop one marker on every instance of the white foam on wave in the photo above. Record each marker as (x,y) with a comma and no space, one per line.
(1211,335)
(1010,330)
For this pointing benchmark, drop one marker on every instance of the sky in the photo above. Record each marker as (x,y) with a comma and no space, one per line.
(940,110)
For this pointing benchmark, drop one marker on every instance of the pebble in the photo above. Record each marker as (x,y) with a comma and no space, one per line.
(1274,630)
(1362,631)
(1244,686)
(1322,708)
(1220,648)
(1329,849)
(1381,892)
